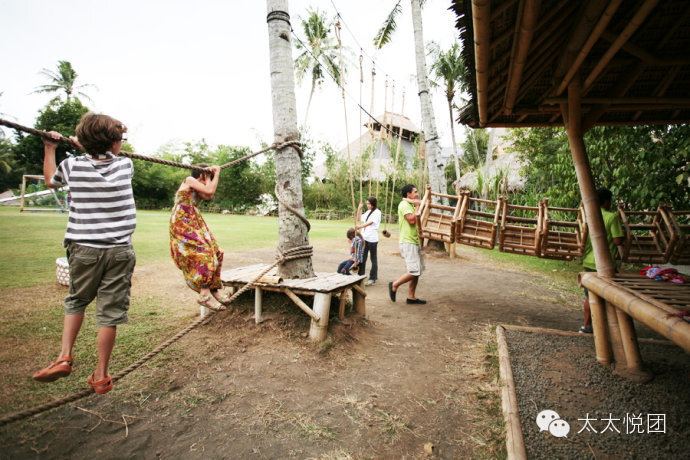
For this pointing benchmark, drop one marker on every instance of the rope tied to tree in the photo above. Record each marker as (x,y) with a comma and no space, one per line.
(290,141)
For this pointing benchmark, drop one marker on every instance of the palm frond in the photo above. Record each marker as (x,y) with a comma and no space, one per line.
(384,34)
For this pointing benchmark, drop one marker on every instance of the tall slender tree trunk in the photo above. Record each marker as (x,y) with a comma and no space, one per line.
(311,94)
(456,161)
(292,232)
(436,175)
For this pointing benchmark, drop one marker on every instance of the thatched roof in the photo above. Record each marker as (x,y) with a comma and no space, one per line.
(631,56)
(509,162)
(395,121)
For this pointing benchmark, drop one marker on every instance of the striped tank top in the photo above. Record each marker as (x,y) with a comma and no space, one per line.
(102,211)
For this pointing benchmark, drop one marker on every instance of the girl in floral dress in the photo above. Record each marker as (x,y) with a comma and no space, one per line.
(192,246)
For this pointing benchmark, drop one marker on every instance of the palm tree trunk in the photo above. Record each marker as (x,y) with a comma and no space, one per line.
(292,232)
(311,94)
(436,175)
(455,145)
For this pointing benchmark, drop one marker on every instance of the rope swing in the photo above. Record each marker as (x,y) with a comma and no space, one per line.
(347,139)
(371,130)
(395,168)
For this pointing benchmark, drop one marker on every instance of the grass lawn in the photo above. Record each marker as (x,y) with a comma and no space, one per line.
(31,241)
(32,303)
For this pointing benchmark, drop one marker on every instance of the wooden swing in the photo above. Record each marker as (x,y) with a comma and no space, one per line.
(520,234)
(432,223)
(562,239)
(649,236)
(475,227)
(680,255)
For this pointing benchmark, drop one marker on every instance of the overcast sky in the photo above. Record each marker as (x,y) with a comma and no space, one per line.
(177,70)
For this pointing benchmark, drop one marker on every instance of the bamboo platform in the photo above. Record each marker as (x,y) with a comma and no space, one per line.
(614,302)
(322,287)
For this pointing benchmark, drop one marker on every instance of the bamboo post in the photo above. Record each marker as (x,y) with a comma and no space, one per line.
(319,328)
(21,201)
(601,339)
(343,300)
(515,444)
(359,297)
(258,304)
(614,333)
(631,348)
(300,303)
(585,180)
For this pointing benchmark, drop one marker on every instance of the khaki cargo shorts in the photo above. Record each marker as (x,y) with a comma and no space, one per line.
(414,261)
(105,273)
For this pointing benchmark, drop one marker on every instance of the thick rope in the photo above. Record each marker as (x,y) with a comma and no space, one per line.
(361,159)
(290,254)
(347,139)
(371,132)
(275,146)
(292,210)
(395,165)
(299,252)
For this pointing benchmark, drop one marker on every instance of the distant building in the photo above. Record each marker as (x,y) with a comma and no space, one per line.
(374,143)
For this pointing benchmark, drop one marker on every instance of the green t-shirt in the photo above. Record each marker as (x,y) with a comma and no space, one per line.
(614,229)
(408,233)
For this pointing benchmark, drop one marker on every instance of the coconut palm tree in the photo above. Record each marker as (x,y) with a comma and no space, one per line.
(448,69)
(292,232)
(319,50)
(474,146)
(64,79)
(436,175)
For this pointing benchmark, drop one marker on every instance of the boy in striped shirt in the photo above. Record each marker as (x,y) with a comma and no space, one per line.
(98,239)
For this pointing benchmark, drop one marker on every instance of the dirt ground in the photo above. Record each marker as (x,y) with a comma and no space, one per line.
(408,381)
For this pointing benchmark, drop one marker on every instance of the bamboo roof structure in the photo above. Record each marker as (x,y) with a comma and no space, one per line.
(631,56)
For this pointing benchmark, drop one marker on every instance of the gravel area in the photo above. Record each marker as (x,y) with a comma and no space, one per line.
(561,374)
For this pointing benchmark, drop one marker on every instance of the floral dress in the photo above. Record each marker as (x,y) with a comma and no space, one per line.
(192,246)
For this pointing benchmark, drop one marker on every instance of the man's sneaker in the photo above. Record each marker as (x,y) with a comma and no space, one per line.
(370,282)
(586,329)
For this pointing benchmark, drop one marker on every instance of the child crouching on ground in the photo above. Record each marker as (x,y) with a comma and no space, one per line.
(356,252)
(102,218)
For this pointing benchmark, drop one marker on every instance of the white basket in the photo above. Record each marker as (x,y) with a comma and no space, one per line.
(62,271)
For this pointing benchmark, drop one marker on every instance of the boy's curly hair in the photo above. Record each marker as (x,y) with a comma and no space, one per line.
(97,133)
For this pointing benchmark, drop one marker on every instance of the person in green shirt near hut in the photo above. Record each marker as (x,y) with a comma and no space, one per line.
(614,236)
(409,245)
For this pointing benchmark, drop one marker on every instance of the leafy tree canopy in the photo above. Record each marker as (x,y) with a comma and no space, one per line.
(642,165)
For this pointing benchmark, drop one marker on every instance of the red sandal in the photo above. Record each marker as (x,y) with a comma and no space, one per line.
(102,386)
(61,367)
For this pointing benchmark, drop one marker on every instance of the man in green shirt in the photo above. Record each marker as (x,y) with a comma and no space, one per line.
(409,245)
(614,236)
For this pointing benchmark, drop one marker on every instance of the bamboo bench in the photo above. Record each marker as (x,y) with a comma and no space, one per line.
(519,234)
(475,226)
(649,236)
(436,221)
(562,239)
